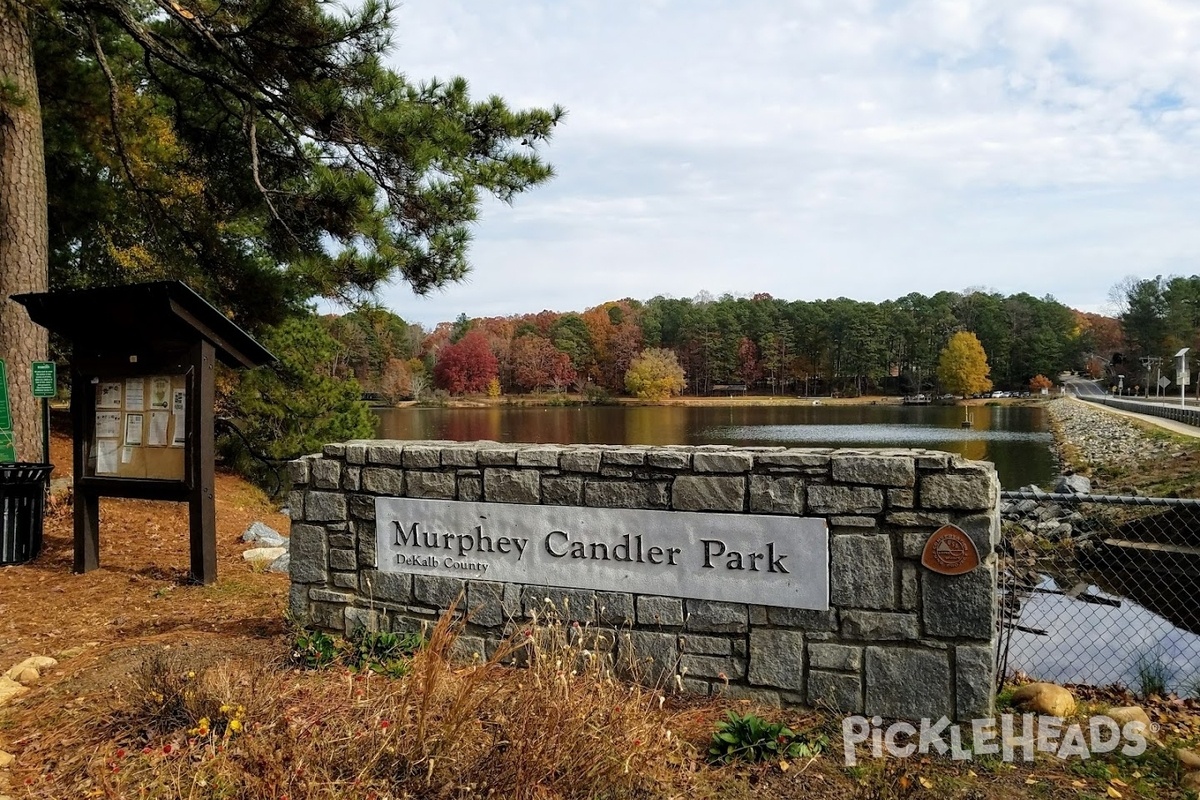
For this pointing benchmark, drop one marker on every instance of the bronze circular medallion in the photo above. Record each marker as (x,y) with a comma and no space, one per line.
(950,551)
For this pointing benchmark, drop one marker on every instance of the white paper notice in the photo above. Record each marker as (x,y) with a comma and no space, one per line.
(106,456)
(108,424)
(178,400)
(158,429)
(108,395)
(134,394)
(126,455)
(133,429)
(160,393)
(180,434)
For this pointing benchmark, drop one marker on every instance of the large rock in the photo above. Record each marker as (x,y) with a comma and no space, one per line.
(1045,698)
(283,564)
(1127,714)
(1189,758)
(833,690)
(1072,484)
(1191,781)
(9,689)
(264,535)
(268,554)
(39,663)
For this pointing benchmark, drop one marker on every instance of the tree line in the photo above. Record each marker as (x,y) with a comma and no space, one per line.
(758,343)
(1159,317)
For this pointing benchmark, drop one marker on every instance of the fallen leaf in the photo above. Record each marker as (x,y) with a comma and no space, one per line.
(1030,781)
(928,784)
(1119,782)
(1113,792)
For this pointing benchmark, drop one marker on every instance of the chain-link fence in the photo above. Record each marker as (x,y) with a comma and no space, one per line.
(1101,590)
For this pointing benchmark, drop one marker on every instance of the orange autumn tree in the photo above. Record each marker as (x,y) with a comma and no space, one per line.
(963,366)
(1039,382)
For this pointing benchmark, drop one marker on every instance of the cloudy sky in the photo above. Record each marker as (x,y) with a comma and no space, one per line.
(825,148)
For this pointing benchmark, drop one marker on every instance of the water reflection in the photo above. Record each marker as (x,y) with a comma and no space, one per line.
(1103,645)
(1014,438)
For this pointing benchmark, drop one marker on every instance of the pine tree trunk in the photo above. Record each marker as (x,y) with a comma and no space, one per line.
(23,232)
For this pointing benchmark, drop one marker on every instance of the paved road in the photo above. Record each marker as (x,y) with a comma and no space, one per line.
(1086,389)
(1082,387)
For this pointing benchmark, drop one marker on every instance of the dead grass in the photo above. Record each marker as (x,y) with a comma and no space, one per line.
(565,726)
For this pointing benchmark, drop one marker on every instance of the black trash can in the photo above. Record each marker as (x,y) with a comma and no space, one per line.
(22,504)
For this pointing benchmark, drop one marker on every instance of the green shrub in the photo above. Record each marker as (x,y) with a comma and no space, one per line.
(751,738)
(382,652)
(314,649)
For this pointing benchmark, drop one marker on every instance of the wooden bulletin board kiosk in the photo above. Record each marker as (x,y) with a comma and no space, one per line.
(142,393)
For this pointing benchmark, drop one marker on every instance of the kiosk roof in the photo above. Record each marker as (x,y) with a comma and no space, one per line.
(143,316)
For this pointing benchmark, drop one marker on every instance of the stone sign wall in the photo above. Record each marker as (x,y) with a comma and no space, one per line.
(896,639)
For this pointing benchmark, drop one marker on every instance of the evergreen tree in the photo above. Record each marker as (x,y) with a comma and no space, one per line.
(257,149)
(297,405)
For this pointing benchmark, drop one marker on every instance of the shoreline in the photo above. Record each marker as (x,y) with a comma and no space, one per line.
(1123,454)
(746,401)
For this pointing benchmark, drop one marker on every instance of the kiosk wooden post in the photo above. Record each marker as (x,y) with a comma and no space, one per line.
(143,383)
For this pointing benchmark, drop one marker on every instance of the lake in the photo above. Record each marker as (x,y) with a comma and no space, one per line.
(1015,438)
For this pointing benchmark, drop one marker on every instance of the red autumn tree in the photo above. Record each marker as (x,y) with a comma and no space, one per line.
(537,364)
(465,366)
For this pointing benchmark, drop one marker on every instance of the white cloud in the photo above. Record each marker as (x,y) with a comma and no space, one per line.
(814,149)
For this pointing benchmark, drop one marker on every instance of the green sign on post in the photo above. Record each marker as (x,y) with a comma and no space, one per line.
(45,379)
(7,451)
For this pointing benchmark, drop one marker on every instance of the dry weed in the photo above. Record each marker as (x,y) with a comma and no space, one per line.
(564,726)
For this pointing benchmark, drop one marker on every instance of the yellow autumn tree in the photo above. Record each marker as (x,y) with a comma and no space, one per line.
(654,374)
(962,366)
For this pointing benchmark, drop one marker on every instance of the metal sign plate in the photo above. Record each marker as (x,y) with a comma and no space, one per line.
(7,451)
(5,411)
(739,558)
(45,379)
